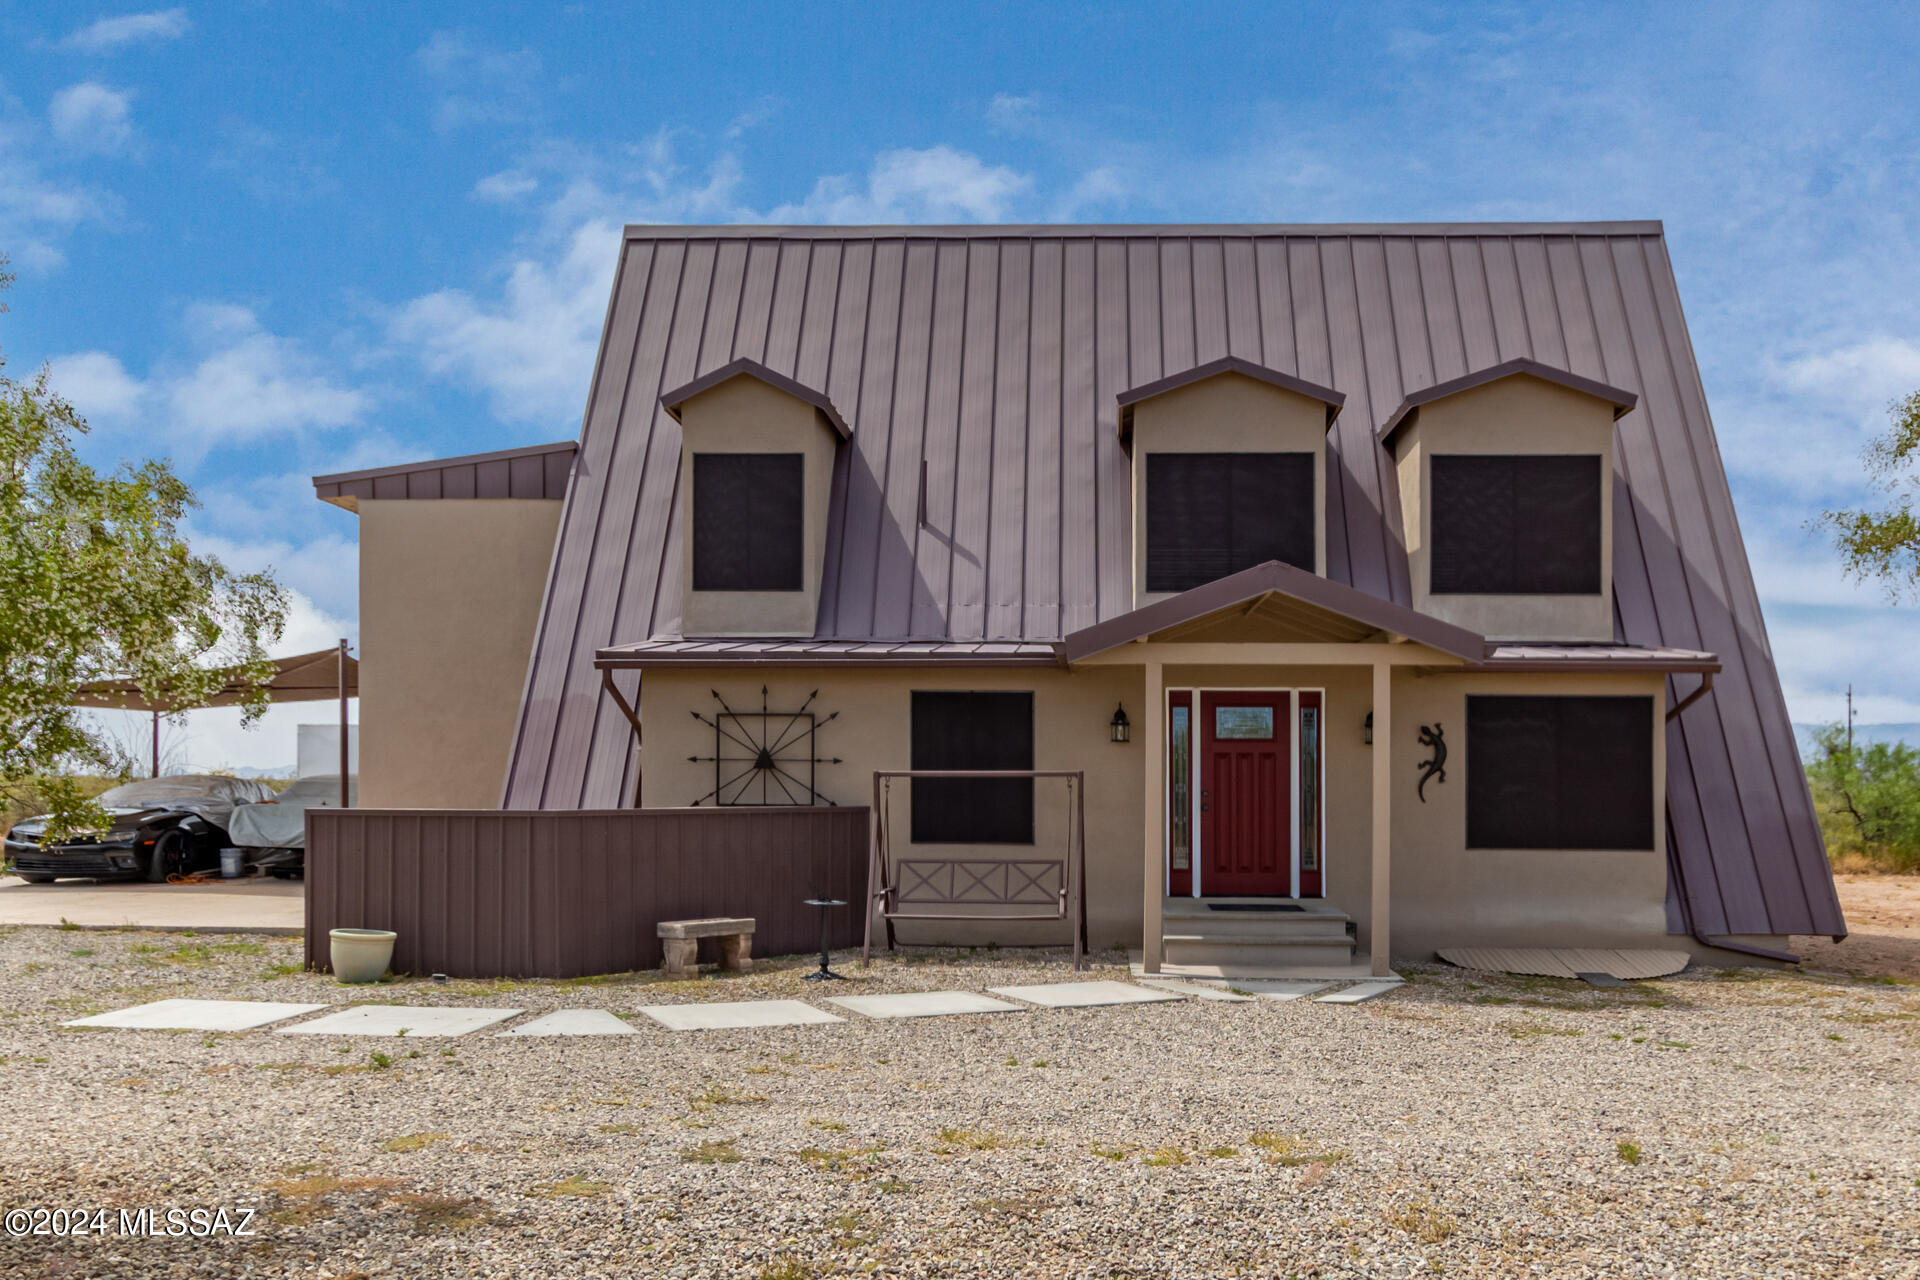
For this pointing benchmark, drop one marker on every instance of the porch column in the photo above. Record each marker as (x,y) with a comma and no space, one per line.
(1153,883)
(1380,943)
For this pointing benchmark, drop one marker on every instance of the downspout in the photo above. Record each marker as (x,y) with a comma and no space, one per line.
(1678,872)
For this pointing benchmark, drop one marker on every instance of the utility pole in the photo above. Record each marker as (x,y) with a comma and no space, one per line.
(1849,721)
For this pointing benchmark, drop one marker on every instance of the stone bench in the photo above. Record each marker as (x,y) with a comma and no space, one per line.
(680,939)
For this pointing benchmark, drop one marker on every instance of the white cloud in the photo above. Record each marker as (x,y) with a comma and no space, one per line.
(98,385)
(934,184)
(270,167)
(530,349)
(245,385)
(90,117)
(478,85)
(505,187)
(111,34)
(1867,374)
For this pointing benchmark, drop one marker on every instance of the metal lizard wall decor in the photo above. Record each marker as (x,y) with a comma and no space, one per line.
(1432,736)
(758,756)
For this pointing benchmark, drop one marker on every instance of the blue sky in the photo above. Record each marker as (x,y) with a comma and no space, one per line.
(270,241)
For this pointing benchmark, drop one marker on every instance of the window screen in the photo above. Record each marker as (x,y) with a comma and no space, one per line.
(1516,525)
(1559,773)
(1212,514)
(972,731)
(748,519)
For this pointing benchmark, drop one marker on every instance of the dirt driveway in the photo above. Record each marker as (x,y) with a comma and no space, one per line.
(255,905)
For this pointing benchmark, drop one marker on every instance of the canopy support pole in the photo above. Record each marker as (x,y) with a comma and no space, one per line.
(156,744)
(343,722)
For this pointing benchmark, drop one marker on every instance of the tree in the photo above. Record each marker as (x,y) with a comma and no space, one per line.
(1869,798)
(1885,543)
(97,581)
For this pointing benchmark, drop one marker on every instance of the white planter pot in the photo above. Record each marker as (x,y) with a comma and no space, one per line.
(361,955)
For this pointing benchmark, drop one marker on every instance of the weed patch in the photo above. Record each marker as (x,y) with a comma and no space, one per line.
(717,1151)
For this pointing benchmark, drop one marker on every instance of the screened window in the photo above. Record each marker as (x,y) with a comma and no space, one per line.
(972,731)
(1559,773)
(748,519)
(1516,524)
(1212,514)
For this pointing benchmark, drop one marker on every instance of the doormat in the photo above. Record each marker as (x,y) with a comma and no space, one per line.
(1253,906)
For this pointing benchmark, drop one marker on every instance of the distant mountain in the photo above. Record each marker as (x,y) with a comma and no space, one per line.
(1862,733)
(279,771)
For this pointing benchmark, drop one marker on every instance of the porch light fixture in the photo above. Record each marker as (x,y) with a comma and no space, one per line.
(1121,729)
(1369,729)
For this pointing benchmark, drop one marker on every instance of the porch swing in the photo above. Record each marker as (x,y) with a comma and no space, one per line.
(974,888)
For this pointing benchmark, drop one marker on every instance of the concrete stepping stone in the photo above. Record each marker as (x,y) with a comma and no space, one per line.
(737,1013)
(1084,995)
(409,1020)
(197,1015)
(1198,990)
(1359,991)
(923,1004)
(1278,988)
(573,1022)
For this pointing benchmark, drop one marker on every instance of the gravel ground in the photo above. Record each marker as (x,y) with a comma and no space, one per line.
(1740,1123)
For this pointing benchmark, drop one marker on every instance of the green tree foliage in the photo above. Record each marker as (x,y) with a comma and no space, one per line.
(1868,798)
(1885,543)
(97,581)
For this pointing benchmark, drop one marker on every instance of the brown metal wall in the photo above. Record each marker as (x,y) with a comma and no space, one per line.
(557,894)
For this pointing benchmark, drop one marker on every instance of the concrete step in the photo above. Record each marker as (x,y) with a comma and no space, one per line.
(1191,917)
(1251,952)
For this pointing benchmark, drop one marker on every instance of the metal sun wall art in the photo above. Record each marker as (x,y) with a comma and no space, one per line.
(1433,737)
(759,757)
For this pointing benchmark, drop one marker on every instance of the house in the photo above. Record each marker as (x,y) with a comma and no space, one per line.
(1385,574)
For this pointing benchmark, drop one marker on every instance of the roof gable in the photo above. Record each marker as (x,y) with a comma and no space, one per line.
(1213,369)
(745,368)
(1403,416)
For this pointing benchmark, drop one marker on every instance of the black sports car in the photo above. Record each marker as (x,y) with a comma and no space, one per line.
(159,827)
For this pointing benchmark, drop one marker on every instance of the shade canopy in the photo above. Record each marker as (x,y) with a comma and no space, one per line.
(304,677)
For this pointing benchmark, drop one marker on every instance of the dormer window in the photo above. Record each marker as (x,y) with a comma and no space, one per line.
(1506,498)
(1212,514)
(756,481)
(1229,471)
(1516,524)
(749,521)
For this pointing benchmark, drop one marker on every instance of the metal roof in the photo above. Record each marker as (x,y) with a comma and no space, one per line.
(823,653)
(1622,401)
(301,677)
(536,471)
(996,356)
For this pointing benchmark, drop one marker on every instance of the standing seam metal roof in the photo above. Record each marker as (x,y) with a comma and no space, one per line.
(995,355)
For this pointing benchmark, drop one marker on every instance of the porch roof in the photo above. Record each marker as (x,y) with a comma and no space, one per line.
(1589,658)
(1368,615)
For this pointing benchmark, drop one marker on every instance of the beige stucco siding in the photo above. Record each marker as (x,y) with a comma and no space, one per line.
(1517,415)
(449,595)
(1229,413)
(1071,713)
(1443,893)
(745,415)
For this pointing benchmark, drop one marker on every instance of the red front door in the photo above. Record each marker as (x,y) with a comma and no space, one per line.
(1246,794)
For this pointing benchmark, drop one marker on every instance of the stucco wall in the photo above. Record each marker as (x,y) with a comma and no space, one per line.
(1229,413)
(1443,893)
(449,594)
(745,415)
(1522,415)
(1071,713)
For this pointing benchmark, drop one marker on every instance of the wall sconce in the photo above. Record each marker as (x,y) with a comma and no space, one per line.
(1368,732)
(1120,729)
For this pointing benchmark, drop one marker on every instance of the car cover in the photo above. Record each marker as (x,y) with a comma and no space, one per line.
(211,795)
(281,822)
